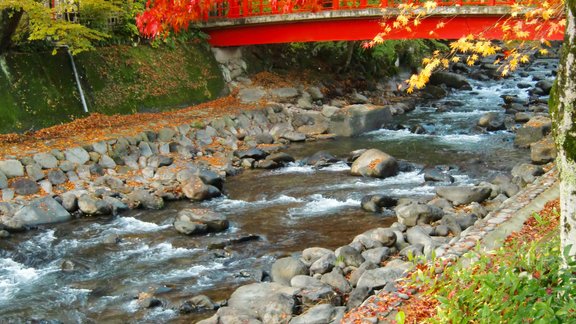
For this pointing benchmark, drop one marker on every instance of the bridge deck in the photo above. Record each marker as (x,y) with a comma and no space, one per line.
(251,22)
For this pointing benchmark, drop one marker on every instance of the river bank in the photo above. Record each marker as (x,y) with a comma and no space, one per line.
(256,134)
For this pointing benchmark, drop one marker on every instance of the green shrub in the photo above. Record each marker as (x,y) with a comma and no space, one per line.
(527,284)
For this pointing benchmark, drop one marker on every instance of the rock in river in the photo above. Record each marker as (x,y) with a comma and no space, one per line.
(375,163)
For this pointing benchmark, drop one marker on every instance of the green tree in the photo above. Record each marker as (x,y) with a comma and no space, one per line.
(44,23)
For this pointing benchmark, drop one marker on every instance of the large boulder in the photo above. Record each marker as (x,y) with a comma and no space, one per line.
(527,172)
(46,160)
(3,181)
(533,131)
(349,255)
(215,222)
(356,119)
(283,270)
(375,163)
(380,277)
(268,302)
(12,168)
(462,195)
(251,95)
(543,151)
(77,155)
(321,158)
(451,80)
(40,211)
(195,189)
(91,205)
(25,186)
(417,213)
(375,203)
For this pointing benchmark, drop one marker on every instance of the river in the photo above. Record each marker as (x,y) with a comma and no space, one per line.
(286,210)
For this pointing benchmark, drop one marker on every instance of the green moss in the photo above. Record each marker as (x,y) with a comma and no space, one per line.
(38,89)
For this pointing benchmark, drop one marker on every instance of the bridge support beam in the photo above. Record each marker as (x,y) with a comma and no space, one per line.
(364,28)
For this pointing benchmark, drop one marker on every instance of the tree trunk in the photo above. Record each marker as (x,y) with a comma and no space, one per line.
(8,23)
(562,101)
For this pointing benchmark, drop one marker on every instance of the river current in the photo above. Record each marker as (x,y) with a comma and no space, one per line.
(286,210)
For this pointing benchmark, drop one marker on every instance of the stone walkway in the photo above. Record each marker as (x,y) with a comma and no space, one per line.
(489,233)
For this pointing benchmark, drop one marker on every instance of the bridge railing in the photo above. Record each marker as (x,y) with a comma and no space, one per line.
(230,9)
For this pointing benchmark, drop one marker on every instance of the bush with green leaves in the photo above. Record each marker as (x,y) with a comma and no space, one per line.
(527,284)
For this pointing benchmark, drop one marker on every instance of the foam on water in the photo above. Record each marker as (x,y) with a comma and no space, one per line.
(157,253)
(13,275)
(318,205)
(296,167)
(124,225)
(224,203)
(403,178)
(337,167)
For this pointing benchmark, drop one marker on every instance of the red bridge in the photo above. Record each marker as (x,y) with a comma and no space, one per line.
(251,22)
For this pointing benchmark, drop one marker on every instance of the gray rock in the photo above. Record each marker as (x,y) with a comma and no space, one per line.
(190,228)
(34,172)
(269,302)
(358,272)
(377,255)
(462,195)
(356,119)
(284,94)
(543,151)
(358,98)
(329,111)
(453,226)
(522,117)
(418,213)
(451,80)
(294,136)
(378,278)
(3,181)
(195,189)
(107,162)
(145,149)
(417,235)
(40,211)
(310,255)
(145,199)
(357,296)
(166,134)
(492,121)
(46,185)
(12,168)
(369,204)
(349,255)
(283,270)
(303,281)
(315,93)
(90,205)
(375,163)
(466,220)
(366,242)
(25,186)
(116,205)
(46,160)
(412,251)
(436,175)
(385,236)
(57,177)
(527,172)
(319,314)
(67,166)
(77,155)
(533,131)
(336,280)
(266,164)
(70,202)
(215,222)
(251,95)
(545,85)
(280,158)
(323,264)
(253,153)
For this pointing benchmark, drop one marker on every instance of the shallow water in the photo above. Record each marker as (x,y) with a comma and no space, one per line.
(289,209)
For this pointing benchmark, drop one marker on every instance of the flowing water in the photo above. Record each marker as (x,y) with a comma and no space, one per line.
(287,210)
